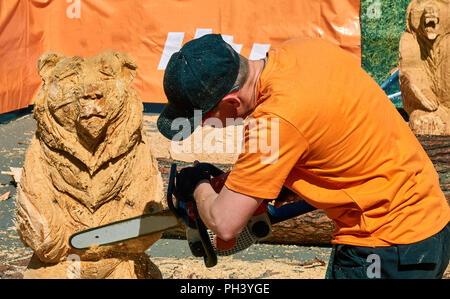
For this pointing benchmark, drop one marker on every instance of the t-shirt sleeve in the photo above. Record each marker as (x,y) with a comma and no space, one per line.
(272,147)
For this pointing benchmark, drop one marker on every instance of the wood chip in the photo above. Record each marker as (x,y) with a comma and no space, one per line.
(15,172)
(5,196)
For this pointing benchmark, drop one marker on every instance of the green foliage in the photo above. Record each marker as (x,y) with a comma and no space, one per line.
(382,24)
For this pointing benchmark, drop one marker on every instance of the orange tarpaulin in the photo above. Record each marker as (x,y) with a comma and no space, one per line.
(151,31)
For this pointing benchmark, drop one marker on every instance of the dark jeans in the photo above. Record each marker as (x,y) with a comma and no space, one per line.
(425,259)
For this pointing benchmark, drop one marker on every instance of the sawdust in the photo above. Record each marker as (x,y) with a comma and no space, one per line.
(229,268)
(15,172)
(5,196)
(425,67)
(88,164)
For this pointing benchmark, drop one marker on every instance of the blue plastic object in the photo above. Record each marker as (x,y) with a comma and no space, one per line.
(288,211)
(392,78)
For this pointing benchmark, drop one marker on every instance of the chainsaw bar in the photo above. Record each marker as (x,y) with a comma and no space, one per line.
(122,230)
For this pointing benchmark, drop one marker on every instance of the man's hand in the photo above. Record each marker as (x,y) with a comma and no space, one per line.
(188,178)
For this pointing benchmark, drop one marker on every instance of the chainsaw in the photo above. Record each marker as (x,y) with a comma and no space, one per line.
(202,241)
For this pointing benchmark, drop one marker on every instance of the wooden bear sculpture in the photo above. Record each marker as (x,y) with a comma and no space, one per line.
(89,164)
(425,67)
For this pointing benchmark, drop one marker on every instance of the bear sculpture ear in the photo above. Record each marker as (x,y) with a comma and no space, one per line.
(47,63)
(129,65)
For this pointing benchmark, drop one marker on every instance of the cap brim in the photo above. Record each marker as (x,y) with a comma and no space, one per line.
(174,126)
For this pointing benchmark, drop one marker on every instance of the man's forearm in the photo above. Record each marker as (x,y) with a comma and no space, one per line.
(226,213)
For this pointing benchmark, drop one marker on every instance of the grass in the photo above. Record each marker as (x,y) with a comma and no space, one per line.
(382,24)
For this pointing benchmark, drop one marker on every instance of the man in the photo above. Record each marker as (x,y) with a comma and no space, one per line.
(342,146)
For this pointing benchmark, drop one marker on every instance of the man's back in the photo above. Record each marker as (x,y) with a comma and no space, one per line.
(357,158)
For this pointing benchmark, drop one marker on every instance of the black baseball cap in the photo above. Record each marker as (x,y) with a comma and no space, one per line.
(196,78)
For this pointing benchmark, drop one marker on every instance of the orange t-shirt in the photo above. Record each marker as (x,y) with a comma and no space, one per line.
(327,131)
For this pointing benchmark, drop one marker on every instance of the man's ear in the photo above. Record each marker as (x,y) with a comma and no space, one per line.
(232,99)
(129,65)
(47,63)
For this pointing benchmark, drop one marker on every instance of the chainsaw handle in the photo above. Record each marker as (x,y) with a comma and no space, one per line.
(210,257)
(170,186)
(175,210)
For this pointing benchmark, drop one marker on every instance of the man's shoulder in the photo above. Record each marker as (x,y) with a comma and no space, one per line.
(313,53)
(275,112)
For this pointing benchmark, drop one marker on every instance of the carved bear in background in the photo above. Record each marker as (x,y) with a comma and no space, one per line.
(425,67)
(89,164)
